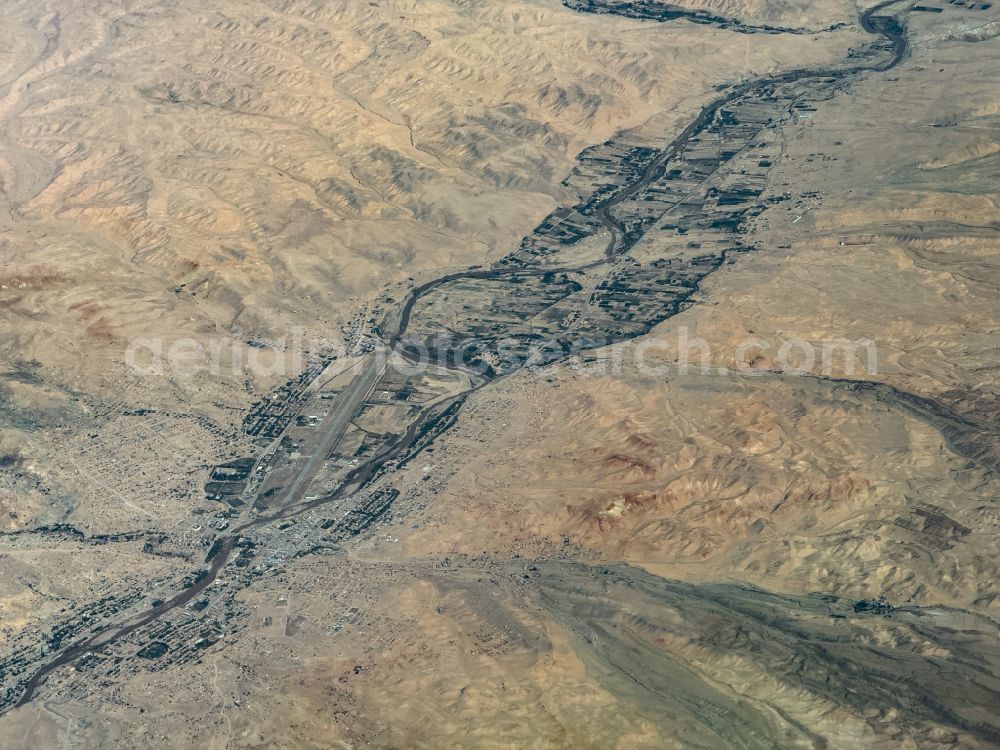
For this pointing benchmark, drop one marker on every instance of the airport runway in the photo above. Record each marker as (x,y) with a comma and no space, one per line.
(335,424)
(353,396)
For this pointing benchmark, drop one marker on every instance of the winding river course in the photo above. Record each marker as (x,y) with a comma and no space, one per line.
(621,241)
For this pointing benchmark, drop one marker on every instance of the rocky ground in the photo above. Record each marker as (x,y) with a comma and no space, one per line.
(614,551)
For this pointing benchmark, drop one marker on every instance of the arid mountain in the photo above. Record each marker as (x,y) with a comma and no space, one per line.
(237,170)
(228,176)
(658,399)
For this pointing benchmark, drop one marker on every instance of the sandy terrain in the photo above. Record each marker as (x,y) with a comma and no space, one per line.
(236,171)
(233,175)
(801,466)
(609,552)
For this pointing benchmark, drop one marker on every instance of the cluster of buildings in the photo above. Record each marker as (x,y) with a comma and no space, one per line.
(269,417)
(689,202)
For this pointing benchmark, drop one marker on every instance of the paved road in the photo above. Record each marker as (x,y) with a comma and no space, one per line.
(336,423)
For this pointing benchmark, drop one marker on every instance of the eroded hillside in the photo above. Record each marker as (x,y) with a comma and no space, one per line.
(684,439)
